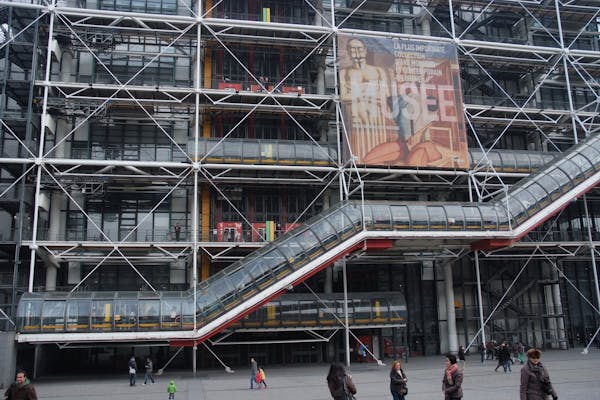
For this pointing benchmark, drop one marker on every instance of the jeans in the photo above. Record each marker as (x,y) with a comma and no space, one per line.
(171,396)
(131,379)
(397,396)
(148,375)
(507,366)
(252,382)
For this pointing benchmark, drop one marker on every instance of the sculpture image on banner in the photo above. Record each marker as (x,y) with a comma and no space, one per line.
(402,103)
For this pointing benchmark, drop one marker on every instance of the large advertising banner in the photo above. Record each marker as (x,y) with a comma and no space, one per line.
(402,103)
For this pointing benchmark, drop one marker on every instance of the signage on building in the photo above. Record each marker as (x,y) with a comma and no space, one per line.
(401,102)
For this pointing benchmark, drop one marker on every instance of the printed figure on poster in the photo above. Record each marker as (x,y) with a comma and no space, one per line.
(402,103)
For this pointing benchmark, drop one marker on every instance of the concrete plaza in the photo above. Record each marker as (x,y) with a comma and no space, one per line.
(575,376)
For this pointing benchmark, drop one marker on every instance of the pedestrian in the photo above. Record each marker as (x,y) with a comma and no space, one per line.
(340,383)
(132,371)
(461,358)
(262,374)
(362,352)
(482,351)
(177,228)
(21,388)
(503,358)
(398,381)
(171,389)
(149,367)
(253,371)
(535,381)
(521,353)
(452,380)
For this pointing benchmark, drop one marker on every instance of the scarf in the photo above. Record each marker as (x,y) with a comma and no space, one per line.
(20,385)
(451,370)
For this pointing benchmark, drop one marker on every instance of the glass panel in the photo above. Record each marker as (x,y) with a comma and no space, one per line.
(308,312)
(101,315)
(381,216)
(549,185)
(149,314)
(522,162)
(341,223)
(488,215)
(242,281)
(508,161)
(584,164)
(570,168)
(289,312)
(326,233)
(400,217)
(30,315)
(437,217)
(78,315)
(354,212)
(538,193)
(563,181)
(456,218)
(276,262)
(171,314)
(251,151)
(362,311)
(591,154)
(310,242)
(188,310)
(126,312)
(503,217)
(418,217)
(292,251)
(303,152)
(53,316)
(528,200)
(472,217)
(516,209)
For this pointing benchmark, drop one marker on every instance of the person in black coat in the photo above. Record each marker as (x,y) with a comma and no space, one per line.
(398,381)
(340,383)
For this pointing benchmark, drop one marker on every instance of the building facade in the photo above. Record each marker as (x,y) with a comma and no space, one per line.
(148,145)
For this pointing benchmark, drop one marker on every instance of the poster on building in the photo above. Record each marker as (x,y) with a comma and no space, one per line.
(401,102)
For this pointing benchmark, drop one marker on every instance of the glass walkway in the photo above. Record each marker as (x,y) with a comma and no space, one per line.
(290,152)
(269,272)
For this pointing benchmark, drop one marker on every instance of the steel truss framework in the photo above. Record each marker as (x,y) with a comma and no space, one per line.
(549,58)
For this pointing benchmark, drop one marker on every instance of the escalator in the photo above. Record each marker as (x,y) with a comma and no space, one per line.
(350,226)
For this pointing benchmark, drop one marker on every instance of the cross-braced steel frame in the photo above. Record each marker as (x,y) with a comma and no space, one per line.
(530,74)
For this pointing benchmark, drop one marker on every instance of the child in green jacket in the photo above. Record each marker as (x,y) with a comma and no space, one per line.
(171,389)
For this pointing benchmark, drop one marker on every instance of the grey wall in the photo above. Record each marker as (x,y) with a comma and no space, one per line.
(8,361)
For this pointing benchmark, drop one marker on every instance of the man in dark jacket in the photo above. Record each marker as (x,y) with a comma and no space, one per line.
(21,389)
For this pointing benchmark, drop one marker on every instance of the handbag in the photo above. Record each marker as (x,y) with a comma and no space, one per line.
(131,370)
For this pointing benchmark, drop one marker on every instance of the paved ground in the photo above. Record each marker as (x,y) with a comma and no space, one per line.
(575,376)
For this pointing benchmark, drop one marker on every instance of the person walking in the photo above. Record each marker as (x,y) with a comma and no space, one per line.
(171,389)
(253,371)
(132,371)
(398,381)
(482,351)
(505,357)
(461,358)
(340,383)
(149,367)
(452,380)
(263,376)
(535,381)
(21,388)
(521,353)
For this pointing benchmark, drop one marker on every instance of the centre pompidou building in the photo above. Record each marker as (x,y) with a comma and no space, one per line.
(206,181)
